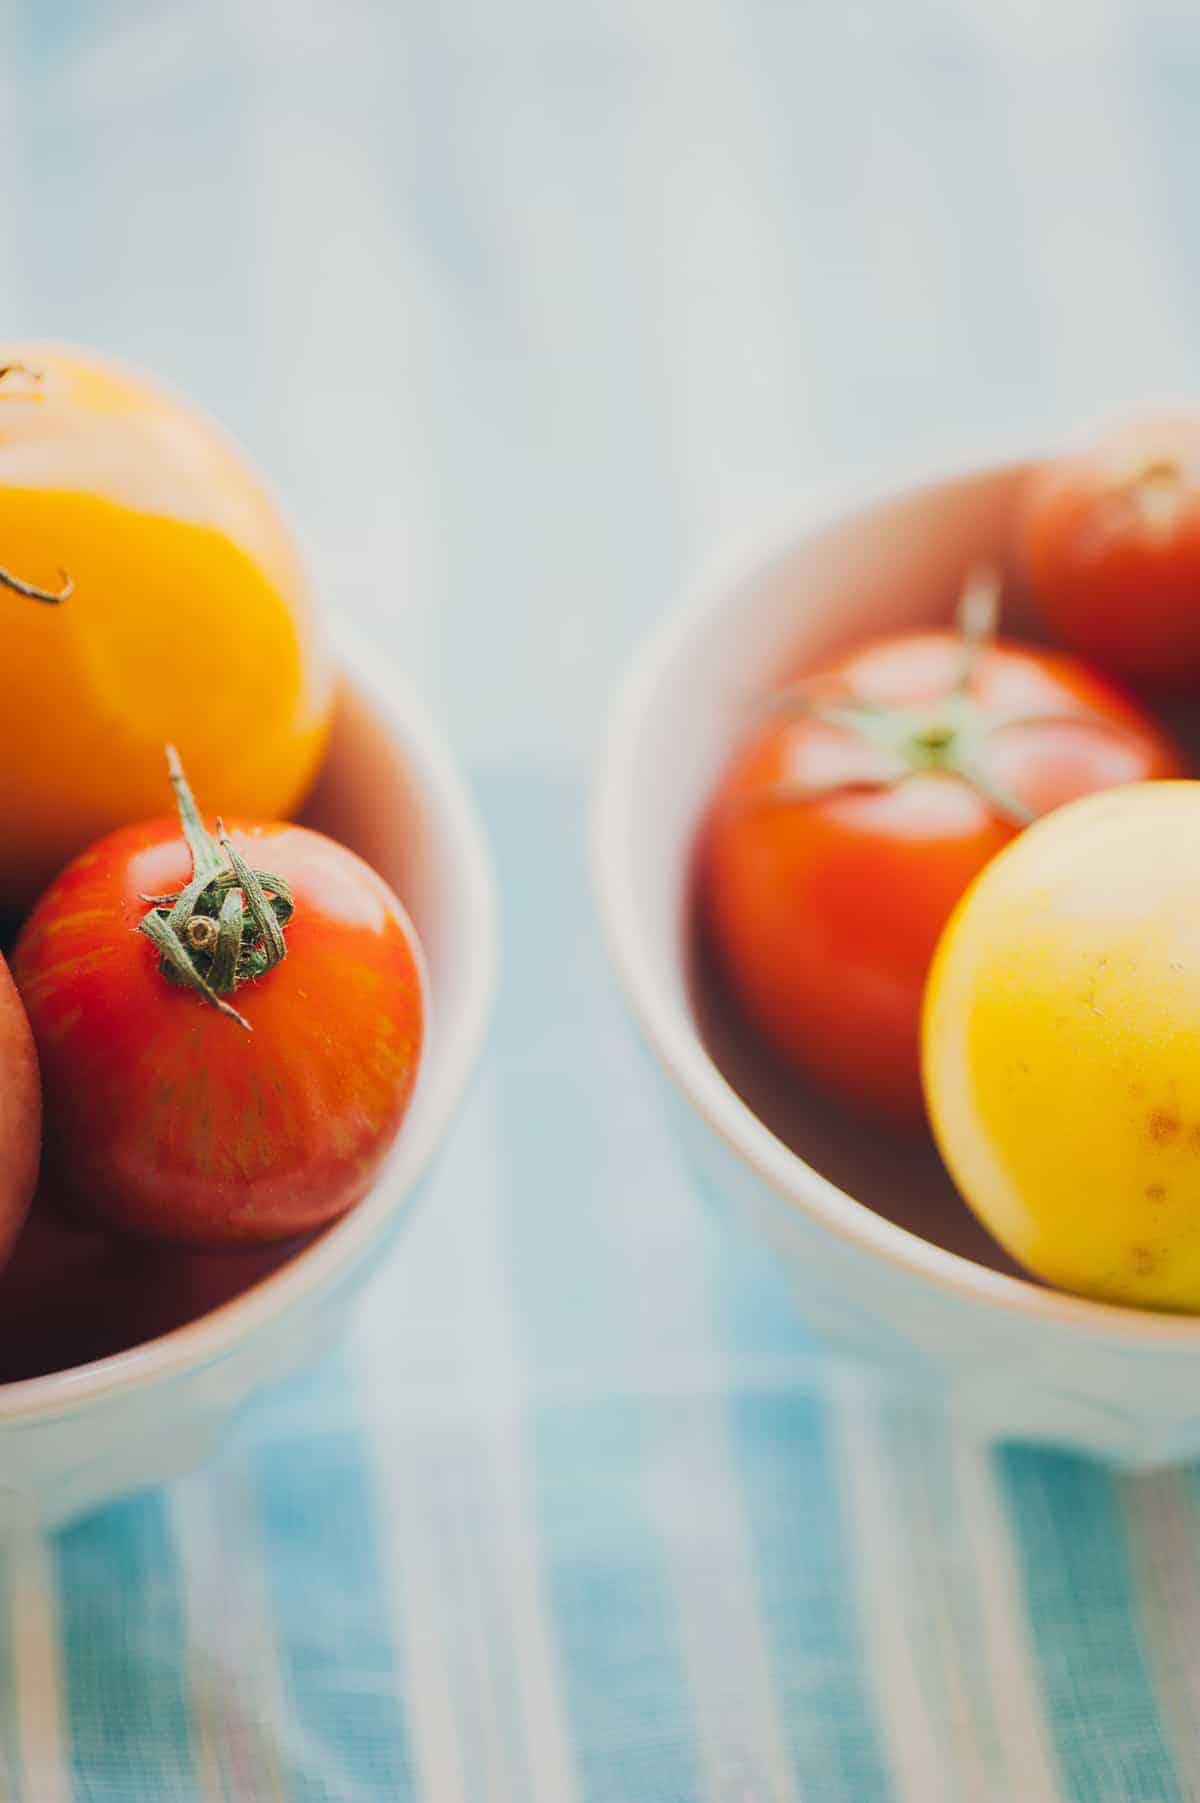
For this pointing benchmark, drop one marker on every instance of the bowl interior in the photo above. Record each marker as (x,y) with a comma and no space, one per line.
(69,1297)
(886,567)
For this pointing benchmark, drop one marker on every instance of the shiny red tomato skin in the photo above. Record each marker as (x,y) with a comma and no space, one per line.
(166,1119)
(823,915)
(20,1114)
(1117,581)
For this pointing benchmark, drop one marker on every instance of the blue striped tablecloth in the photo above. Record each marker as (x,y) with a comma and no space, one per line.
(526,306)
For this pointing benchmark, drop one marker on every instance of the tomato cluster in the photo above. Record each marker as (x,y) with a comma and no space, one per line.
(867,796)
(210,1036)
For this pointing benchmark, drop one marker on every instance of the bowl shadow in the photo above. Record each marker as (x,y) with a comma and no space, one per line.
(896,1173)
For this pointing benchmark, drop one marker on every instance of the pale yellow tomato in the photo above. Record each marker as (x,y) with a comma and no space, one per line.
(149,591)
(1062,1046)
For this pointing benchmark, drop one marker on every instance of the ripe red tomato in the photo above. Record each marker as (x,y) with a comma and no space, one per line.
(109,1294)
(20,1114)
(847,827)
(164,1117)
(1111,546)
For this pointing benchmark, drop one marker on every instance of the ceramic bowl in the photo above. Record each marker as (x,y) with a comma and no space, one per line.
(73,1438)
(886,1263)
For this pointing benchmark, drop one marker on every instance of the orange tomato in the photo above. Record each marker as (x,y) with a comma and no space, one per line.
(185,614)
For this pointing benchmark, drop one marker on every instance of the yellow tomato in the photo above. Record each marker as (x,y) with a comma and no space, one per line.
(1062,1046)
(188,616)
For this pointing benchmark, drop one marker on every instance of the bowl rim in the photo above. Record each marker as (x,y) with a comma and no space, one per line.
(215,1335)
(673,1038)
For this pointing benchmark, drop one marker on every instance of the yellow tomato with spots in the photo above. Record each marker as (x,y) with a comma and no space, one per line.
(149,591)
(1061,1046)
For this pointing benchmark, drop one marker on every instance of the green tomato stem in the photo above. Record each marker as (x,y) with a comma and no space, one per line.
(947,737)
(225,926)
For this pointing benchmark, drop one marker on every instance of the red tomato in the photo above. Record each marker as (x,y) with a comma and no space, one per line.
(164,1117)
(109,1294)
(20,1114)
(1111,545)
(846,829)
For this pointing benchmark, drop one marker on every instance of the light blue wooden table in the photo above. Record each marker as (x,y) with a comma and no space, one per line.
(527,307)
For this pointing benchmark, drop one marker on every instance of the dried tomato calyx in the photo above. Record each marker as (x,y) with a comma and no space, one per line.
(225,927)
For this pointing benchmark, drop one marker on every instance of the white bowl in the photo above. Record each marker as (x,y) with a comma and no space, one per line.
(78,1437)
(908,1284)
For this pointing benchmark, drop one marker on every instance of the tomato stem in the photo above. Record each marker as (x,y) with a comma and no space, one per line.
(1157,493)
(206,859)
(948,736)
(225,926)
(976,617)
(30,590)
(33,376)
(32,593)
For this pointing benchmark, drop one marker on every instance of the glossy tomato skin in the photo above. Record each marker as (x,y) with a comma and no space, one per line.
(166,1119)
(20,1114)
(191,618)
(1110,540)
(823,914)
